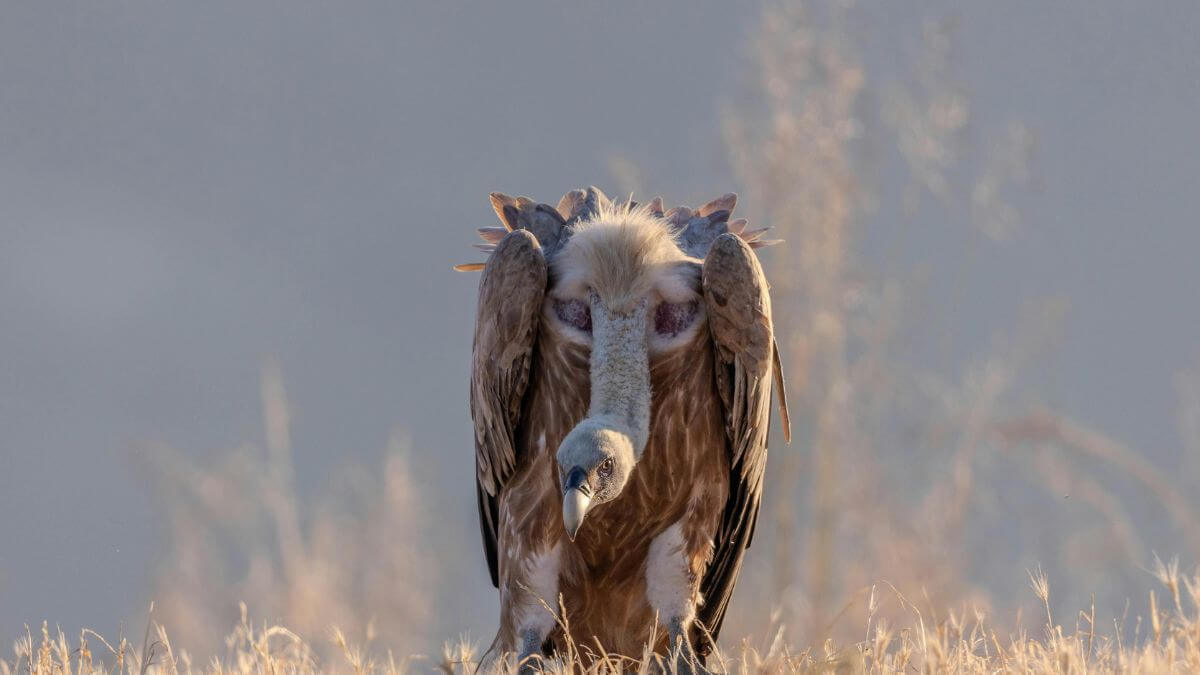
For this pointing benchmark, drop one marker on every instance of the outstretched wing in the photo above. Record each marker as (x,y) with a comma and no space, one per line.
(506,325)
(739,315)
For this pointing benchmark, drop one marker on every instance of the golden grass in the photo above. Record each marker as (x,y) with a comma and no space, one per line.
(1168,641)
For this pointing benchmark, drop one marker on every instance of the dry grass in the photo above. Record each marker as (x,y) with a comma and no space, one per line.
(1167,641)
(361,556)
(945,482)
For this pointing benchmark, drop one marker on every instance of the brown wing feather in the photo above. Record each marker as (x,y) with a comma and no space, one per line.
(510,301)
(739,316)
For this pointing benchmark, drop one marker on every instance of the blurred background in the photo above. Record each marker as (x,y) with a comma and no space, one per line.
(234,358)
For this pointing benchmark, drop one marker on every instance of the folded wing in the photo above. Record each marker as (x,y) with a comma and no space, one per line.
(739,314)
(510,300)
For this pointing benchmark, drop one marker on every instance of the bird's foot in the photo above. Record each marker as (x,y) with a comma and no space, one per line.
(687,664)
(531,660)
(679,663)
(682,659)
(530,664)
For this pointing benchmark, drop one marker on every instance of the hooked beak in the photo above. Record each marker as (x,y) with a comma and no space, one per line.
(577,494)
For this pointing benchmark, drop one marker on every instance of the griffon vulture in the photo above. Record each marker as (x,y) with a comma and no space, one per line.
(620,391)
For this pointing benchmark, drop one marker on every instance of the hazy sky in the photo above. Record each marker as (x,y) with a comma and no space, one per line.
(189,188)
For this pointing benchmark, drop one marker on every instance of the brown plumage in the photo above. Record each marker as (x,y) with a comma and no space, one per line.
(621,383)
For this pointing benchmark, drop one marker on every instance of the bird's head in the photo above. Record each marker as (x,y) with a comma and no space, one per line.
(623,287)
(595,461)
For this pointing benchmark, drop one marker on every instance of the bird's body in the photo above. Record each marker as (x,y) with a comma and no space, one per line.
(681,481)
(621,390)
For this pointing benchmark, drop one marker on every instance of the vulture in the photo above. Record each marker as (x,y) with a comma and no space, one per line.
(621,379)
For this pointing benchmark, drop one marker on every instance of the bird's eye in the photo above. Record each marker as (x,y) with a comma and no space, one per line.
(575,313)
(606,467)
(672,318)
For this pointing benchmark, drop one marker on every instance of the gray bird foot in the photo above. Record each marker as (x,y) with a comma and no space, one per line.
(530,661)
(686,663)
(682,659)
(530,665)
(680,664)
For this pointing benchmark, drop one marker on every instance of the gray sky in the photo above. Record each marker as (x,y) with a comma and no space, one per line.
(186,189)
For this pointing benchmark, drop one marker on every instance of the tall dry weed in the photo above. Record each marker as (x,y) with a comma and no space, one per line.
(358,557)
(942,484)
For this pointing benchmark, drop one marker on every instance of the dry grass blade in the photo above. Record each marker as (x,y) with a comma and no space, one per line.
(952,646)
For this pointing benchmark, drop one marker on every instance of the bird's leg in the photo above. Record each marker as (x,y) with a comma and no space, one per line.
(531,604)
(681,654)
(673,589)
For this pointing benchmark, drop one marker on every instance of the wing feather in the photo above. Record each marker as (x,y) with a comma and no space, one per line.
(739,314)
(511,290)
